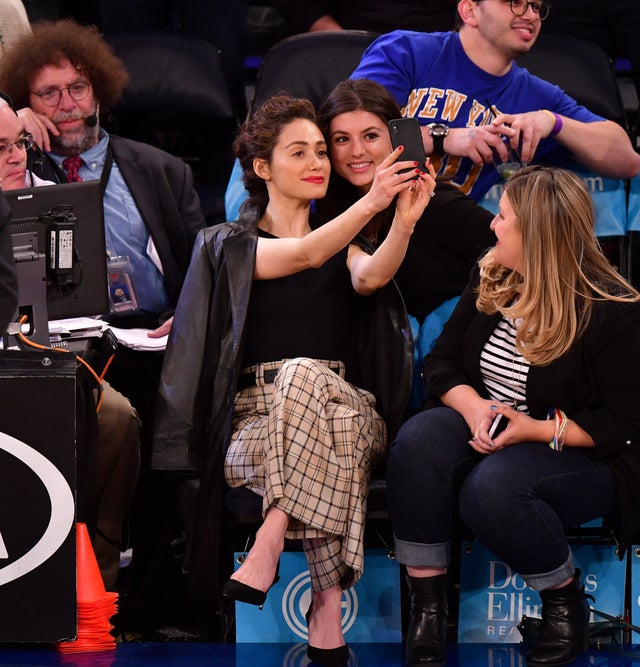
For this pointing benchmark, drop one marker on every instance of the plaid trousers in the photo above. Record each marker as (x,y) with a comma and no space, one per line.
(306,443)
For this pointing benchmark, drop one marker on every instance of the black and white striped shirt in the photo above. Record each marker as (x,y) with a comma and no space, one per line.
(504,370)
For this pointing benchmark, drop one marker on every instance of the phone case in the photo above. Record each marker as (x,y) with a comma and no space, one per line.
(498,425)
(406,132)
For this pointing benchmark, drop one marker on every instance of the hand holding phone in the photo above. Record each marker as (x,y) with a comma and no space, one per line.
(499,423)
(406,132)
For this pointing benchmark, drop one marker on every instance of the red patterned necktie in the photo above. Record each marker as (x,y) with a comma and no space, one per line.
(71,166)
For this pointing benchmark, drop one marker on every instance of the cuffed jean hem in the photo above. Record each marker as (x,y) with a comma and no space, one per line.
(540,582)
(419,554)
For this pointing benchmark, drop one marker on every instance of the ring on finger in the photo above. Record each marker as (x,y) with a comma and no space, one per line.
(432,193)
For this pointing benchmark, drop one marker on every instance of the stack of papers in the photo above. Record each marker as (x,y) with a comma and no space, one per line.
(79,327)
(83,327)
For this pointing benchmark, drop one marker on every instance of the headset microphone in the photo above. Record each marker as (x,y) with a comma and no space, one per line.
(92,120)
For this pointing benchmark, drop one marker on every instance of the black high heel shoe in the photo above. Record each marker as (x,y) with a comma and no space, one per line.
(328,657)
(242,593)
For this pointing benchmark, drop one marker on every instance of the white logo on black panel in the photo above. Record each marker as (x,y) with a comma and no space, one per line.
(62,511)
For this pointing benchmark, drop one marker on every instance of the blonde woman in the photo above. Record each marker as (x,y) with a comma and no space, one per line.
(544,340)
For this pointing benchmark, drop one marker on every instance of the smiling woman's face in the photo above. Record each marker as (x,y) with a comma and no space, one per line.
(358,142)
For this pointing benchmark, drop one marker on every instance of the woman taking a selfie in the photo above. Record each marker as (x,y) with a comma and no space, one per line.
(453,229)
(544,337)
(288,322)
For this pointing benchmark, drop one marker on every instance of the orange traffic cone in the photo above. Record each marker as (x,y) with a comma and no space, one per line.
(95,605)
(89,584)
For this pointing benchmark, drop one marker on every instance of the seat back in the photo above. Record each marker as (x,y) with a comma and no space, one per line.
(310,64)
(582,69)
(177,99)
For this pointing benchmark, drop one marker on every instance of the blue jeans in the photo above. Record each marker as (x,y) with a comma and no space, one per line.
(517,501)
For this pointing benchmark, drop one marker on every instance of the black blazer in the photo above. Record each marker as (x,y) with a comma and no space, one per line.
(597,384)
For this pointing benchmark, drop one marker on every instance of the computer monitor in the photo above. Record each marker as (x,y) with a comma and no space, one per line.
(58,241)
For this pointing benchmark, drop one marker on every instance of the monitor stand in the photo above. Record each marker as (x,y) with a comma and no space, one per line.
(32,297)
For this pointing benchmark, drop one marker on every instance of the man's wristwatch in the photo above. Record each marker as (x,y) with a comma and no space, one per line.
(438,131)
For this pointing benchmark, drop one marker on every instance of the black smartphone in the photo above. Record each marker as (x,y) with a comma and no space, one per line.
(406,132)
(499,423)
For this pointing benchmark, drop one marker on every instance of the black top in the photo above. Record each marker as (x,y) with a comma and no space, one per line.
(451,234)
(306,314)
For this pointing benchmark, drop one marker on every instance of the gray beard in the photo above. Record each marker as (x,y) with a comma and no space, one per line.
(75,143)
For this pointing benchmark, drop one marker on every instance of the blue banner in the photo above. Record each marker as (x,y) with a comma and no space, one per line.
(370,610)
(608,195)
(633,219)
(635,592)
(235,194)
(493,598)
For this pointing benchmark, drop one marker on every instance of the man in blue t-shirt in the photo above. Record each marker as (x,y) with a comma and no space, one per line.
(475,104)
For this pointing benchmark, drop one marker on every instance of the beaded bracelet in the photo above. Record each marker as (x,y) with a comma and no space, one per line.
(561,423)
(557,124)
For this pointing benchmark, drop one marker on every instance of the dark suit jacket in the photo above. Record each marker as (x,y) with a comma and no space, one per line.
(597,384)
(162,187)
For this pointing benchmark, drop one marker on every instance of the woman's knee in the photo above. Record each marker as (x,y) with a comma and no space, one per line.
(433,439)
(305,375)
(302,367)
(488,490)
(298,365)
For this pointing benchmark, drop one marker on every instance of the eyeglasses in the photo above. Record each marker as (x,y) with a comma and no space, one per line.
(52,96)
(23,144)
(520,7)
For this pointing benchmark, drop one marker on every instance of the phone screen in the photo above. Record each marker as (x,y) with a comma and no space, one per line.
(406,132)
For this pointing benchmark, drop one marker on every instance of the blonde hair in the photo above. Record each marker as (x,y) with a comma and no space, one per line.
(563,268)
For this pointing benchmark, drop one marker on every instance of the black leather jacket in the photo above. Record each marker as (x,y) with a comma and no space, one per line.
(202,365)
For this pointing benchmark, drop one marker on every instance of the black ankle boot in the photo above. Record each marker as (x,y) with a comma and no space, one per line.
(427,632)
(565,623)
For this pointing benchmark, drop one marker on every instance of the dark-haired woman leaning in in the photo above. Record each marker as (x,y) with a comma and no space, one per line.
(452,231)
(303,373)
(545,337)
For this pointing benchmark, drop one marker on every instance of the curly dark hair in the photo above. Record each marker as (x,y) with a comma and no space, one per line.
(259,135)
(51,43)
